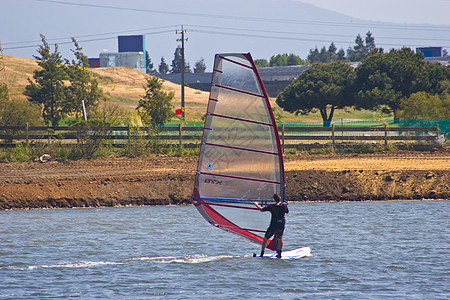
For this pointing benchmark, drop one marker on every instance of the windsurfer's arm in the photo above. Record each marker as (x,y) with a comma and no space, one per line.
(258,206)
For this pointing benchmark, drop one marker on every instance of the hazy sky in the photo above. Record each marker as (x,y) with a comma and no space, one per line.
(398,11)
(262,27)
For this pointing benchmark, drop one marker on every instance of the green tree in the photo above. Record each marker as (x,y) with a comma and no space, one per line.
(293,60)
(176,63)
(281,60)
(325,55)
(83,86)
(200,66)
(48,87)
(361,48)
(358,52)
(438,79)
(163,67)
(383,79)
(370,42)
(261,63)
(422,105)
(323,87)
(150,69)
(156,107)
(17,112)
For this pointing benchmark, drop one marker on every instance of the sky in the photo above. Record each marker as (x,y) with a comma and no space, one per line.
(261,27)
(435,12)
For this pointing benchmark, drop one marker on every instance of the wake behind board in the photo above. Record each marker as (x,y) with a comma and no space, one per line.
(291,254)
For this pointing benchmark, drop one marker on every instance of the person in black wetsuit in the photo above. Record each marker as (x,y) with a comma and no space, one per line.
(277,223)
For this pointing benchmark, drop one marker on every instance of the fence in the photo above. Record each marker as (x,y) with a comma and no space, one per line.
(292,135)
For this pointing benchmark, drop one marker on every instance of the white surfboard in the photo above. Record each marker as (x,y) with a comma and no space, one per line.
(291,254)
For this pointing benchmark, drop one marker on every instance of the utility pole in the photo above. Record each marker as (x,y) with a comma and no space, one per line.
(182,32)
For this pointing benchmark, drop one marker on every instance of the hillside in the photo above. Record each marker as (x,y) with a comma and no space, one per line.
(125,87)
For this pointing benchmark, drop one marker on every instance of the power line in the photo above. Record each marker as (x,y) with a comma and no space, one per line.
(312,34)
(98,34)
(77,38)
(260,19)
(297,39)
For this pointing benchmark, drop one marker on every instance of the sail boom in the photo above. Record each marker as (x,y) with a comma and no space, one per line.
(219,201)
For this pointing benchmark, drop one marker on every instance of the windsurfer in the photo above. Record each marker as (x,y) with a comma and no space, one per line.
(277,223)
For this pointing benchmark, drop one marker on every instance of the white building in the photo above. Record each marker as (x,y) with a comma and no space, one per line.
(134,60)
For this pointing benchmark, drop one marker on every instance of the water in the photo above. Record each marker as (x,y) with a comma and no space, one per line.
(364,250)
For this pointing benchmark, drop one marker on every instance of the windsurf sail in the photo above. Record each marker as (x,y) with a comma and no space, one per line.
(240,158)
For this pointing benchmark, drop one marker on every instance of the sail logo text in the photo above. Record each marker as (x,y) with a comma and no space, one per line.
(213,181)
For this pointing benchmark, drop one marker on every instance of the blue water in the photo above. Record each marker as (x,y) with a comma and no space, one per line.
(361,250)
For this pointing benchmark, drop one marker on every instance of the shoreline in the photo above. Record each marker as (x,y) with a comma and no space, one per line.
(160,180)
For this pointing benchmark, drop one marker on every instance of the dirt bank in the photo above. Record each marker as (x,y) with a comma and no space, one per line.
(169,180)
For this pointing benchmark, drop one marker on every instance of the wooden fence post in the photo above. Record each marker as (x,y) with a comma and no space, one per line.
(282,137)
(385,134)
(437,130)
(180,127)
(26,133)
(332,134)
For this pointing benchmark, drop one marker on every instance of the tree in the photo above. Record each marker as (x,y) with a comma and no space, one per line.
(383,79)
(83,86)
(48,88)
(200,66)
(261,63)
(149,63)
(362,47)
(281,60)
(176,63)
(438,79)
(422,105)
(370,42)
(320,87)
(163,67)
(358,52)
(155,107)
(293,60)
(325,55)
(17,112)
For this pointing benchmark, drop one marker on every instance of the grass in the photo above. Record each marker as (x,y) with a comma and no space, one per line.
(125,87)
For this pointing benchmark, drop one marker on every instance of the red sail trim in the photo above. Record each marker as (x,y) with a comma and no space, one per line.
(225,224)
(240,148)
(238,91)
(272,117)
(235,62)
(239,177)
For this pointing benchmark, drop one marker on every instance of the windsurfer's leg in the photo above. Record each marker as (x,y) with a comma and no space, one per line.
(263,246)
(279,243)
